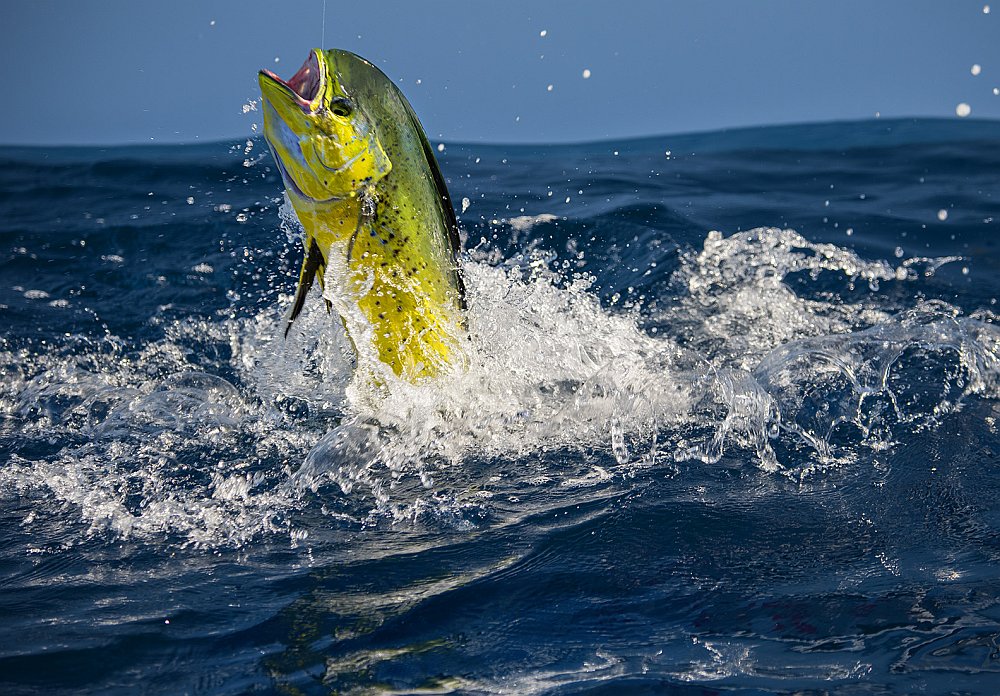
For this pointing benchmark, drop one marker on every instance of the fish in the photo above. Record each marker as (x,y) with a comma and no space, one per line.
(380,231)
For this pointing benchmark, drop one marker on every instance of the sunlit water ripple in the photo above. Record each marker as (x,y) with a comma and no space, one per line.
(727,421)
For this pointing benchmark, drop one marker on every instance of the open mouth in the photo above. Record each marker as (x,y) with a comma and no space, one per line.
(305,84)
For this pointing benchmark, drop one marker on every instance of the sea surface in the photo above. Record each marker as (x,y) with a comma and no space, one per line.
(727,424)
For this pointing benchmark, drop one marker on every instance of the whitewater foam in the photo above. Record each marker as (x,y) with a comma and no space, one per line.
(221,431)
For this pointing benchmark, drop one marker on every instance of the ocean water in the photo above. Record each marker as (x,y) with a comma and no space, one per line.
(727,424)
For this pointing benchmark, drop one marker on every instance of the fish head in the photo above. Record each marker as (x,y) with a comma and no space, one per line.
(326,146)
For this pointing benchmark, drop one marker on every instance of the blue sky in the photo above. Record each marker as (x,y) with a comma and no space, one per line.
(128,72)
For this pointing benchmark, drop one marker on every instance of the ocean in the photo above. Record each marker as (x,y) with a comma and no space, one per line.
(727,424)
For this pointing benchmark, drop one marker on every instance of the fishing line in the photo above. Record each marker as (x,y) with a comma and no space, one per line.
(322,42)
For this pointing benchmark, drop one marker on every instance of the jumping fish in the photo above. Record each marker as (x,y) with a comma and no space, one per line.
(379,224)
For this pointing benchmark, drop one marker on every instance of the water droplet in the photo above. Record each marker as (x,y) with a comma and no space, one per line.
(942,215)
(543,32)
(549,88)
(440,147)
(963,110)
(976,69)
(618,447)
(586,74)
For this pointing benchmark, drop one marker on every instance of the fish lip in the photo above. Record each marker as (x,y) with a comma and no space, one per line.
(311,77)
(288,180)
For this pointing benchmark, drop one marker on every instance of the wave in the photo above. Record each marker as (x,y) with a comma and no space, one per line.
(783,353)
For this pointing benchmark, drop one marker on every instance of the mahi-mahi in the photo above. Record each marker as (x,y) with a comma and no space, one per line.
(380,230)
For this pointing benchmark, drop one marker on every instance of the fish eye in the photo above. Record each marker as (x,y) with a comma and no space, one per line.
(342,107)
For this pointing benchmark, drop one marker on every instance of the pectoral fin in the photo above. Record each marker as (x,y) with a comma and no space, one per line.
(311,265)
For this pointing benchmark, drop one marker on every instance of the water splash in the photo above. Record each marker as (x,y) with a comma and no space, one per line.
(221,431)
(808,364)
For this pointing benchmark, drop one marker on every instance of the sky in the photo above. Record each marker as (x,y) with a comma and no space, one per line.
(124,71)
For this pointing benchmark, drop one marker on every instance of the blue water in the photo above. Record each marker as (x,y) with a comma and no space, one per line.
(728,424)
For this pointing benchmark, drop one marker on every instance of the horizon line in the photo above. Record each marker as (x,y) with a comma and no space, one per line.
(526,143)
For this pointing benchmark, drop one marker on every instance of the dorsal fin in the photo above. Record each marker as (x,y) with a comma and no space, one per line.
(310,265)
(454,239)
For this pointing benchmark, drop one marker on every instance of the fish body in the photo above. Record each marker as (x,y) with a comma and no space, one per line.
(378,221)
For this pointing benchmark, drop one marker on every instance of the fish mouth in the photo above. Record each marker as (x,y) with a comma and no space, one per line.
(306,85)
